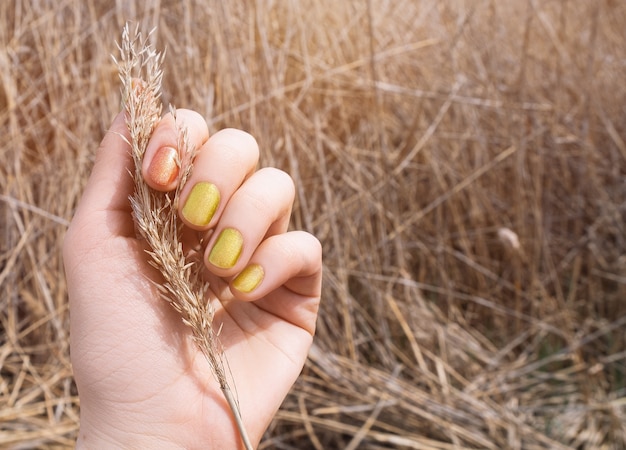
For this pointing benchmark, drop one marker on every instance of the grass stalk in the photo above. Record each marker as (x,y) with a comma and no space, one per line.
(156,215)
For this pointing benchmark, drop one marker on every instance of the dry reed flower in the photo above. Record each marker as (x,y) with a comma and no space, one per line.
(155,213)
(509,238)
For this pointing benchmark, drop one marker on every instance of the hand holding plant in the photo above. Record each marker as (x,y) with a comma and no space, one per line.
(143,380)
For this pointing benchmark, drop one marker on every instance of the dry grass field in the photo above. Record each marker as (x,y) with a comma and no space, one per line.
(462,161)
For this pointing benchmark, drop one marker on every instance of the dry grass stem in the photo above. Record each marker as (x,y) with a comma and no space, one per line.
(156,214)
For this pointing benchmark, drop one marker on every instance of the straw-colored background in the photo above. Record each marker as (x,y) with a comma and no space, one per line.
(416,131)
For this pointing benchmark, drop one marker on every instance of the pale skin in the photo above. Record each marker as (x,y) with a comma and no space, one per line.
(141,380)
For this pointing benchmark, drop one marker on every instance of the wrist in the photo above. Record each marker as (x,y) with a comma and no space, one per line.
(89,438)
(96,433)
(104,430)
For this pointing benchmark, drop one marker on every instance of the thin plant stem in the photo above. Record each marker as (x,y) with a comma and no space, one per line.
(155,213)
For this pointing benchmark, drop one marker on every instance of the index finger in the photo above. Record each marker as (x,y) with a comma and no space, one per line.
(159,165)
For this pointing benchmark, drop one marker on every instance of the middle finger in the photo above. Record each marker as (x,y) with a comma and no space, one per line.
(222,164)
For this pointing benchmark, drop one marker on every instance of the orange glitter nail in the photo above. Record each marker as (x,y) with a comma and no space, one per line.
(163,169)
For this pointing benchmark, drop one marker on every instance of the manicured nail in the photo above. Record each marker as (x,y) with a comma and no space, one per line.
(227,249)
(163,168)
(249,278)
(201,204)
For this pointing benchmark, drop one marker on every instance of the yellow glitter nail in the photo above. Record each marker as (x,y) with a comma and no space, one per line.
(201,204)
(249,278)
(227,249)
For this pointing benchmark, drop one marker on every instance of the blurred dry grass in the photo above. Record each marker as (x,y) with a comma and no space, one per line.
(416,130)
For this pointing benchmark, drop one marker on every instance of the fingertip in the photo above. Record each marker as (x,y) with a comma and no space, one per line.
(161,163)
(292,259)
(248,279)
(283,278)
(222,164)
(161,170)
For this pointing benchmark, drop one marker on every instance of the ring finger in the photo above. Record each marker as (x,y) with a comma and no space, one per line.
(261,207)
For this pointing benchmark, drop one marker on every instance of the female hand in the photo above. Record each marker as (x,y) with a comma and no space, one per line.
(141,380)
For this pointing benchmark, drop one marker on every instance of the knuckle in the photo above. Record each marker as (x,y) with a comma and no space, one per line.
(281,179)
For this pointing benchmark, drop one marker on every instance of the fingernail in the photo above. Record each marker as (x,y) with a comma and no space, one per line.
(249,278)
(227,249)
(201,204)
(163,169)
